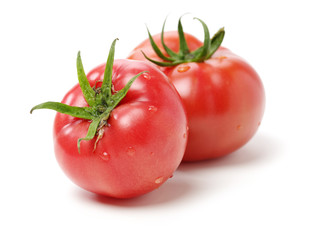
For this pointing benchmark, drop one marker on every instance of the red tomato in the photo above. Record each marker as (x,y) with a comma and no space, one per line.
(223,96)
(142,144)
(144,140)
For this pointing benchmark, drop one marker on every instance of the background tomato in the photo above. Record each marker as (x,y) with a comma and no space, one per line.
(223,96)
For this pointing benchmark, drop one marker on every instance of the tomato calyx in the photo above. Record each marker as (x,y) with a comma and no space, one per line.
(184,55)
(101,100)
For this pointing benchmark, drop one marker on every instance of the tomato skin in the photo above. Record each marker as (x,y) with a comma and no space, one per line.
(223,96)
(144,140)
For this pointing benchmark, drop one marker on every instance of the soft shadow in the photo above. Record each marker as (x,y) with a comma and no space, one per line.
(170,191)
(260,149)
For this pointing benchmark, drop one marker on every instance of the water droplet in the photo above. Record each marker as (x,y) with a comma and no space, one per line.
(146,76)
(131,151)
(239,127)
(105,156)
(152,109)
(183,68)
(221,57)
(158,180)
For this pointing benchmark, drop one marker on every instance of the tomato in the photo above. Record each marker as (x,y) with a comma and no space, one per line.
(139,146)
(223,95)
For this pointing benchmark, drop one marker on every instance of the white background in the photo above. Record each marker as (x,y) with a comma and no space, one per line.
(269,189)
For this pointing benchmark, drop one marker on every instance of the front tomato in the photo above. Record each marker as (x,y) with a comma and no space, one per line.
(223,95)
(139,145)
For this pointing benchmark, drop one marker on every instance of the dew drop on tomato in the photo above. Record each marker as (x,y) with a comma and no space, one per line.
(183,68)
(131,151)
(158,180)
(221,57)
(105,156)
(146,76)
(239,127)
(152,109)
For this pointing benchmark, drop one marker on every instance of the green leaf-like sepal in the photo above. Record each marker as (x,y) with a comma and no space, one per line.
(184,55)
(86,89)
(171,53)
(92,130)
(100,103)
(203,54)
(184,49)
(106,87)
(156,48)
(216,41)
(79,112)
